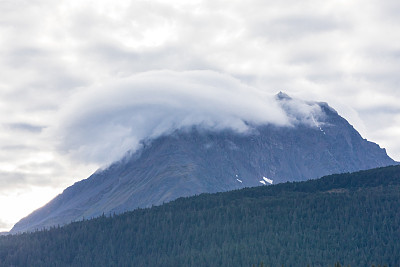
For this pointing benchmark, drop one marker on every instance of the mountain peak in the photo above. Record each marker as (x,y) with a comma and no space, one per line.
(282,96)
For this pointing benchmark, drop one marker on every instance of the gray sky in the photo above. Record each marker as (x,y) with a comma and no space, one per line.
(73,73)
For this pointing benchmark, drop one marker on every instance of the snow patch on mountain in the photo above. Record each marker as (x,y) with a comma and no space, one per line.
(268,180)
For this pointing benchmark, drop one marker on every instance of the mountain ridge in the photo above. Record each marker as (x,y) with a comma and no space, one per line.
(193,161)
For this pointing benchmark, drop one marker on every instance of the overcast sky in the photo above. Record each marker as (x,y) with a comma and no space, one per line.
(78,78)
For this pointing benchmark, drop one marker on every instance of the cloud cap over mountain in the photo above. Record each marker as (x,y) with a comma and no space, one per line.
(101,123)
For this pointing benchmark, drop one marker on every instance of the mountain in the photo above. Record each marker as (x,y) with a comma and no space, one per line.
(352,218)
(193,161)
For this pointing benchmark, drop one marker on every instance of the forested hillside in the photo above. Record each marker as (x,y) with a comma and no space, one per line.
(353,219)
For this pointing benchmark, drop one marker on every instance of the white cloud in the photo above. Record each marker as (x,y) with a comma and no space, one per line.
(99,124)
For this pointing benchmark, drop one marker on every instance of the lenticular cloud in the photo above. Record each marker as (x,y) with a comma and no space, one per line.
(100,123)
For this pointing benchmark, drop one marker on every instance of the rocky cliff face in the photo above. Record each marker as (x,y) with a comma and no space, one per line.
(194,161)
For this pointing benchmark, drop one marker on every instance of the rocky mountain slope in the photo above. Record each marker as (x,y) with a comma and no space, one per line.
(193,161)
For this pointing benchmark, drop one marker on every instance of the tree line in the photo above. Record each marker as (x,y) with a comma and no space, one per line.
(353,218)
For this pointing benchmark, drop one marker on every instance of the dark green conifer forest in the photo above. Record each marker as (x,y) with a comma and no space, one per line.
(338,220)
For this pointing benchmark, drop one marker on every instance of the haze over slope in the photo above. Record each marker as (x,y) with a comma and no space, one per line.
(315,141)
